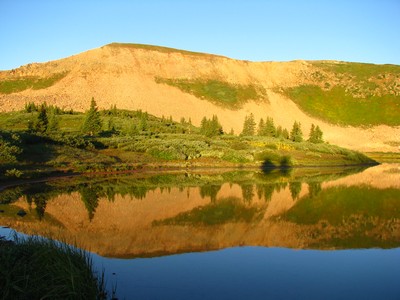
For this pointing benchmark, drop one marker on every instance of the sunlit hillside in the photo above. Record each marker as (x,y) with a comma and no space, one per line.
(356,105)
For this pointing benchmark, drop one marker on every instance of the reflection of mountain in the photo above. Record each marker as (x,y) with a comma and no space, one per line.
(176,213)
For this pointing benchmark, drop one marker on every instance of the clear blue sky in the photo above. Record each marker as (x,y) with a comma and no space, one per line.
(263,30)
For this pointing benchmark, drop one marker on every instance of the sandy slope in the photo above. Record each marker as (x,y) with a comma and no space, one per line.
(125,76)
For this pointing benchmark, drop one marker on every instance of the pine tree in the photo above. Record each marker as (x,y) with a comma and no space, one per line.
(285,134)
(92,124)
(261,127)
(319,135)
(311,138)
(315,134)
(53,124)
(42,120)
(270,129)
(296,135)
(210,127)
(279,131)
(249,126)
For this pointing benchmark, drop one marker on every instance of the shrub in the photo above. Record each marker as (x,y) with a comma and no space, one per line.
(14,173)
(35,268)
(237,156)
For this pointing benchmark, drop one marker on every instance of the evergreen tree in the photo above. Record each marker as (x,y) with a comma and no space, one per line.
(279,131)
(319,134)
(296,135)
(53,123)
(42,120)
(270,129)
(261,127)
(315,135)
(92,123)
(249,126)
(285,133)
(211,127)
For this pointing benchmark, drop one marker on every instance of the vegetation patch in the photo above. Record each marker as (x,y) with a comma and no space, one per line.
(158,49)
(336,205)
(35,268)
(336,106)
(228,210)
(359,71)
(32,82)
(218,92)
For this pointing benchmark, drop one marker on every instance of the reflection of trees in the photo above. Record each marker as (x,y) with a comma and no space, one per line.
(295,189)
(265,191)
(40,200)
(247,192)
(90,197)
(314,188)
(210,190)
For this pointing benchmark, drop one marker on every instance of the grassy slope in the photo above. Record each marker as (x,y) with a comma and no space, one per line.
(158,49)
(30,82)
(351,94)
(218,92)
(336,106)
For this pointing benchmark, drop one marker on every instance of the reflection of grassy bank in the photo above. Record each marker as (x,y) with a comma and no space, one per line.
(35,268)
(349,217)
(338,204)
(228,210)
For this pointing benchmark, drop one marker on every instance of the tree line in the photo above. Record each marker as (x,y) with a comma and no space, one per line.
(268,128)
(47,121)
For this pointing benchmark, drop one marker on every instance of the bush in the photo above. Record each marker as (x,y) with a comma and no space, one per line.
(237,156)
(14,173)
(35,268)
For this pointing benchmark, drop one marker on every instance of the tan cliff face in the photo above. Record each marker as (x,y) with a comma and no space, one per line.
(126,76)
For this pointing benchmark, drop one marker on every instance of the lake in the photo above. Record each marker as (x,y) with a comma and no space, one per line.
(306,233)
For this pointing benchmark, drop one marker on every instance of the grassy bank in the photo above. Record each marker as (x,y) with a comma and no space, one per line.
(35,268)
(131,140)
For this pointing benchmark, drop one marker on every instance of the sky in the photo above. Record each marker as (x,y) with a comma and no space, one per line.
(255,30)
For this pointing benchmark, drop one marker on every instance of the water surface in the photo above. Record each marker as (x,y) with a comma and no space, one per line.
(306,233)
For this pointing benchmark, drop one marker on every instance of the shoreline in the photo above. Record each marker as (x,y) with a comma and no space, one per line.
(167,168)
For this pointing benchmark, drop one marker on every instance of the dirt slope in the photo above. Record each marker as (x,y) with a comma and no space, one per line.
(125,75)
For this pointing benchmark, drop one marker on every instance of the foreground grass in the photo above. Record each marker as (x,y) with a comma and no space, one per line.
(35,268)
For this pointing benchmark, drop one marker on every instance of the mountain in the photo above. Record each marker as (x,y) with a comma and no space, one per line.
(356,105)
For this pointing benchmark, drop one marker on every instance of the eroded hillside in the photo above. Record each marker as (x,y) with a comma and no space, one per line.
(178,83)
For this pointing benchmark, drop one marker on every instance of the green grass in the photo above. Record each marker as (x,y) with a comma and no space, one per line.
(162,142)
(358,71)
(158,48)
(218,92)
(336,205)
(227,210)
(338,107)
(35,268)
(33,82)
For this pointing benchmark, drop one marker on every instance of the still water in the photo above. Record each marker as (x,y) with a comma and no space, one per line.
(305,234)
